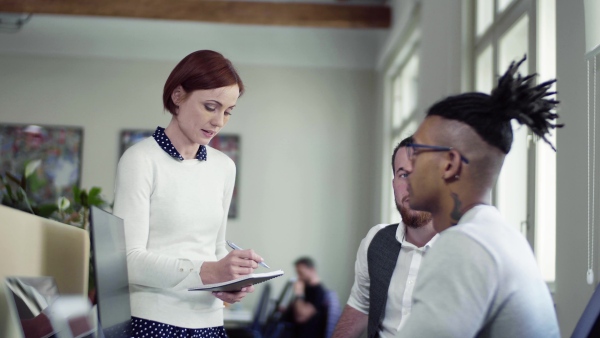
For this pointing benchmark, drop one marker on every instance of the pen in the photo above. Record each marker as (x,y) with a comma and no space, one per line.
(235,247)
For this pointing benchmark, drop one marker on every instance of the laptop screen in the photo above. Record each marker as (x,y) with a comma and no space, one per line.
(39,309)
(30,298)
(110,271)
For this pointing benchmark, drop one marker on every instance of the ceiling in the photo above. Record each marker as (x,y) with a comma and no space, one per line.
(304,33)
(145,39)
(305,13)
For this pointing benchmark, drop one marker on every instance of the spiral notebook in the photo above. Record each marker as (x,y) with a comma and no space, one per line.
(238,284)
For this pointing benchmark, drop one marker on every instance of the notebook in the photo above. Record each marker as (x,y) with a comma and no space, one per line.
(238,284)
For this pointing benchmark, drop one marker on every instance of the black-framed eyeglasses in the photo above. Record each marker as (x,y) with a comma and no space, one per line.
(411,150)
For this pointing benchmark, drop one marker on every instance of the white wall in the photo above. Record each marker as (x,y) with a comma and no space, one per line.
(306,182)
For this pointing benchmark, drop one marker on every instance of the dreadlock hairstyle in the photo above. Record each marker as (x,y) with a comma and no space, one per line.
(514,98)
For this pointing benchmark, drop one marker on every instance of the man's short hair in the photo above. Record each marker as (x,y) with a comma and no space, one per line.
(309,262)
(402,144)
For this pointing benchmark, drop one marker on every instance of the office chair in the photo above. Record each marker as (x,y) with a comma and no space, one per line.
(334,311)
(257,328)
(275,327)
(589,323)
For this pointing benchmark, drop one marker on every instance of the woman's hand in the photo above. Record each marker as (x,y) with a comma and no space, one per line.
(234,297)
(236,264)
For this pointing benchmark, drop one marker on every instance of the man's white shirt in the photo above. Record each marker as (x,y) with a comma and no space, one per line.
(399,300)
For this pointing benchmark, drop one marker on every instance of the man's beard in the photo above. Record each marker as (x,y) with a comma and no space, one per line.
(412,218)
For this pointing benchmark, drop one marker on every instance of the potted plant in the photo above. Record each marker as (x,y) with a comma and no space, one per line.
(16,191)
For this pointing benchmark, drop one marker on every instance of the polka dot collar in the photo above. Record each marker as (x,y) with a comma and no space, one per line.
(163,141)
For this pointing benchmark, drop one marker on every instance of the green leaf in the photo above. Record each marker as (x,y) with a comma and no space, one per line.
(31,167)
(13,178)
(94,197)
(84,198)
(24,182)
(46,210)
(76,194)
(9,192)
(22,196)
(35,183)
(7,201)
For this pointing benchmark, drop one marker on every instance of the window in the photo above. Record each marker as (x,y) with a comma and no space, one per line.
(401,118)
(505,30)
(404,110)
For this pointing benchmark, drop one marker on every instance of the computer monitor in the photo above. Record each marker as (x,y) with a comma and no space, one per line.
(109,260)
(589,323)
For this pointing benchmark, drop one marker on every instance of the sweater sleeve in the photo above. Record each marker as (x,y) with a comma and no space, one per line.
(133,188)
(221,250)
(456,284)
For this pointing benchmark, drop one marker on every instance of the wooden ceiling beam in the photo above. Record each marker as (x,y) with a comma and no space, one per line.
(219,11)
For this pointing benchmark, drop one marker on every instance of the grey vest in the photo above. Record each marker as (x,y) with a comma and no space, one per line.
(382,255)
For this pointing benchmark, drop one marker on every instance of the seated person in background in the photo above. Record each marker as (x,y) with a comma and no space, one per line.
(308,312)
(481,278)
(387,264)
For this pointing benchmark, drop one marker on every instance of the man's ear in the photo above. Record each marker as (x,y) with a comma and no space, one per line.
(452,165)
(178,95)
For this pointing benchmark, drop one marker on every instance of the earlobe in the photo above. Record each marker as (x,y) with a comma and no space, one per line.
(452,168)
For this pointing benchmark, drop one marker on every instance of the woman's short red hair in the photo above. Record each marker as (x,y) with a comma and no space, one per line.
(201,70)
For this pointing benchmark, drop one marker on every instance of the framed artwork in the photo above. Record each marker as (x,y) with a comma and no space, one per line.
(58,148)
(130,137)
(229,144)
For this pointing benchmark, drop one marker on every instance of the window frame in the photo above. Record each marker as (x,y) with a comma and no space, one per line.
(406,48)
(501,24)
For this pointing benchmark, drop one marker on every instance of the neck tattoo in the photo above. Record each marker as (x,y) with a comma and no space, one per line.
(455,215)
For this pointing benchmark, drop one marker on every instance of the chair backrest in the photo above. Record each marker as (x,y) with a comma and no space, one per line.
(262,308)
(35,246)
(334,311)
(589,323)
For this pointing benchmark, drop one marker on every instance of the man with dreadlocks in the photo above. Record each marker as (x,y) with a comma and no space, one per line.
(481,278)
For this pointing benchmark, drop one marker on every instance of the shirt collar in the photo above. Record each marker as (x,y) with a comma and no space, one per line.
(401,238)
(477,212)
(165,143)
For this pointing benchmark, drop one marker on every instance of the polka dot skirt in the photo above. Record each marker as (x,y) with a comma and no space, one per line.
(165,143)
(143,328)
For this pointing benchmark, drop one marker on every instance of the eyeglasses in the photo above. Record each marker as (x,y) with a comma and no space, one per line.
(412,150)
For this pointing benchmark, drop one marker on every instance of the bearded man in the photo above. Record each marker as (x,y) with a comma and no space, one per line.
(387,264)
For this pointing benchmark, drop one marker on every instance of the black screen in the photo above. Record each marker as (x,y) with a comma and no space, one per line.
(109,259)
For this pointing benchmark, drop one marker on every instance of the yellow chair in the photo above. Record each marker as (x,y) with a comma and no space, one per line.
(34,246)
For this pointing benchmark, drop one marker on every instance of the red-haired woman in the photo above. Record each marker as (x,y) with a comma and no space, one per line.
(174,191)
